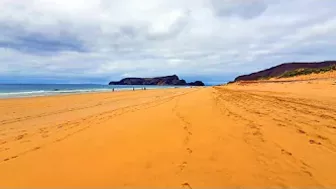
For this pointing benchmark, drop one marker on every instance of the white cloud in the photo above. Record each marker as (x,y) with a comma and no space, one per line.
(108,39)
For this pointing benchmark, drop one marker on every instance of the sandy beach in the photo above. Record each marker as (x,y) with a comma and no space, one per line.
(248,135)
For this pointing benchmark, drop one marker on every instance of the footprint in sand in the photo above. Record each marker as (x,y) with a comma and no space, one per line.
(6,159)
(286,152)
(281,125)
(3,142)
(301,131)
(308,173)
(183,165)
(186,185)
(19,137)
(36,148)
(5,149)
(314,142)
(189,150)
(186,140)
(44,136)
(322,137)
(25,141)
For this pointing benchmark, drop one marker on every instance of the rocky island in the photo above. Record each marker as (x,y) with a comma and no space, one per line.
(166,80)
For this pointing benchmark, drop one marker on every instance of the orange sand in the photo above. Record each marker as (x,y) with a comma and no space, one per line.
(255,135)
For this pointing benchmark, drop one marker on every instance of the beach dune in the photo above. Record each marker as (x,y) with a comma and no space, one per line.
(248,135)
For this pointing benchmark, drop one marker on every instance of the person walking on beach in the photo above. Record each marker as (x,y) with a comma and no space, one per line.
(133,88)
(112,89)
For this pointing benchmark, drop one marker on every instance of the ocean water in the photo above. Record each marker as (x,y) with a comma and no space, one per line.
(30,90)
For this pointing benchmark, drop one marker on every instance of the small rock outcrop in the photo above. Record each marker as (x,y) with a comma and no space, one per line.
(196,83)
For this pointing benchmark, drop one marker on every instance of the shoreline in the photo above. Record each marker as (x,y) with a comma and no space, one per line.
(41,93)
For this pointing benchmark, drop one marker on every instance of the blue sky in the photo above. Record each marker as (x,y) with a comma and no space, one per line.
(92,41)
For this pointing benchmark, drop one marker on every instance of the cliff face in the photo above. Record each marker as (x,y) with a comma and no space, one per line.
(166,80)
(281,69)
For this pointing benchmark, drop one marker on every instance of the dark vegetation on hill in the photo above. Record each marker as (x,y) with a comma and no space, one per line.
(307,71)
(290,70)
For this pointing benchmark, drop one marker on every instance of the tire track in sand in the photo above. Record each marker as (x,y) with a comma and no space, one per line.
(76,127)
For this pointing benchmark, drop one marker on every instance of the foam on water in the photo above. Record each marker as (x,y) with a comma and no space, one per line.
(31,90)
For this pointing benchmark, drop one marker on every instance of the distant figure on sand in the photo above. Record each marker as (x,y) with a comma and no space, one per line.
(133,88)
(112,89)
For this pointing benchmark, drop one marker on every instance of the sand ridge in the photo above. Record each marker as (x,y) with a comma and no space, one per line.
(251,135)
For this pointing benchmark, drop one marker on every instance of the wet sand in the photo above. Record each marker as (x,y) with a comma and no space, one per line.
(248,135)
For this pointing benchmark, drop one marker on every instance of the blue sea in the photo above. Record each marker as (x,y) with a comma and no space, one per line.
(30,90)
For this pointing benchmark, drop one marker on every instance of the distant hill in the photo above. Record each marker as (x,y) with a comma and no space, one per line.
(166,80)
(289,70)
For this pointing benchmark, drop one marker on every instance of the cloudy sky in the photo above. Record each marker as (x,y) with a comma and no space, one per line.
(95,41)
